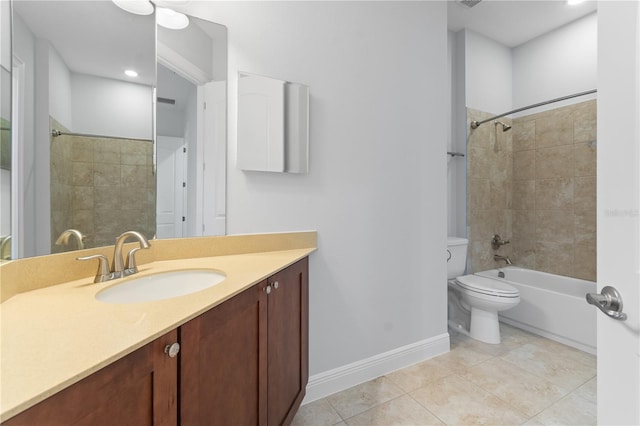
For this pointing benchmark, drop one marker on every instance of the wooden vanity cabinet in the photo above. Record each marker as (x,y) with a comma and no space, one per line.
(288,342)
(245,362)
(139,389)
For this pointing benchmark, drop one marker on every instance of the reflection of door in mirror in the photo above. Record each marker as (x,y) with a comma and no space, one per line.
(170,205)
(191,105)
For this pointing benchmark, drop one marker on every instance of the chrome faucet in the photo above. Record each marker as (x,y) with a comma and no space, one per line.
(497,257)
(63,239)
(117,264)
(118,268)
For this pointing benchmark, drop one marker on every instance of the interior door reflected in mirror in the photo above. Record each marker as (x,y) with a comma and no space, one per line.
(273,124)
(192,130)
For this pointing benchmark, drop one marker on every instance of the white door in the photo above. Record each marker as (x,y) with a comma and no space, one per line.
(618,209)
(170,187)
(214,156)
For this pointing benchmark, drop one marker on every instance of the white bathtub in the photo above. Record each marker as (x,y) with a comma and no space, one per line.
(551,305)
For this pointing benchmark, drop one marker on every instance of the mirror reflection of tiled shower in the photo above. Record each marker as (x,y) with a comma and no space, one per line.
(101,186)
(536,186)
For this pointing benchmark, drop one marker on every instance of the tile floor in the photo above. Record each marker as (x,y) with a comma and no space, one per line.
(525,380)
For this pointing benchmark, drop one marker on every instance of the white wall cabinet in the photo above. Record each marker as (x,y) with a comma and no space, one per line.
(273,125)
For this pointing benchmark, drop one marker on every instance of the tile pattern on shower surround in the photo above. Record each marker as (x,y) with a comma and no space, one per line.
(490,171)
(548,207)
(102,187)
(525,380)
(559,200)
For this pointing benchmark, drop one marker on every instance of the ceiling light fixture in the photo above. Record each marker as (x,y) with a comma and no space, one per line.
(171,3)
(131,73)
(574,2)
(138,7)
(171,19)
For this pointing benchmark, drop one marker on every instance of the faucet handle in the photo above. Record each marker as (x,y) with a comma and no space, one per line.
(102,274)
(130,266)
(496,242)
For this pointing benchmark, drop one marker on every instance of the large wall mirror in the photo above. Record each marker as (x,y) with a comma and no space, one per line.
(86,153)
(5,130)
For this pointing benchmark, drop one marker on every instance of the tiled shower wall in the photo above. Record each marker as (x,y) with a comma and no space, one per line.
(550,212)
(489,183)
(101,187)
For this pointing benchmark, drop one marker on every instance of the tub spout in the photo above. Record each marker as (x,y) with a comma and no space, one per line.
(506,259)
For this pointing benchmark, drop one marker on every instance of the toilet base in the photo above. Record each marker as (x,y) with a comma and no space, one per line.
(484,326)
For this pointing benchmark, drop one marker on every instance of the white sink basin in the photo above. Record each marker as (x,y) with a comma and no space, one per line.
(160,286)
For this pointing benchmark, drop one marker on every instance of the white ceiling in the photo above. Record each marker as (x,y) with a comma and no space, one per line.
(515,22)
(105,49)
(111,39)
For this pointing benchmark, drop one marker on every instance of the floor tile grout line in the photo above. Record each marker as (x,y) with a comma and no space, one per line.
(564,393)
(547,341)
(334,408)
(582,397)
(516,409)
(490,392)
(463,343)
(423,406)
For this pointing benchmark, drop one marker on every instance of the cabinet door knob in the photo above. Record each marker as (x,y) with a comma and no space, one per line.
(172,350)
(267,289)
(276,284)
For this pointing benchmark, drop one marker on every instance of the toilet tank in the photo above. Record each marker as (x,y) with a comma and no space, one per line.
(457,256)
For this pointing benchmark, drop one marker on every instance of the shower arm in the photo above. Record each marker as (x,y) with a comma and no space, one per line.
(475,123)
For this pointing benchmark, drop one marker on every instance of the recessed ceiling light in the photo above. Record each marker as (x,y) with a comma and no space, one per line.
(574,2)
(139,7)
(171,19)
(131,73)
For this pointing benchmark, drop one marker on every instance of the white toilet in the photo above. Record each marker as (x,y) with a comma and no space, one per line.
(474,301)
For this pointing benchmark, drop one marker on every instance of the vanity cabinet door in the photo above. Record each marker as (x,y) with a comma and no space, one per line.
(223,363)
(139,389)
(288,308)
(245,362)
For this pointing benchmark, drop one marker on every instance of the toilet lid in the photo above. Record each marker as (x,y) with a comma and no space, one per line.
(487,286)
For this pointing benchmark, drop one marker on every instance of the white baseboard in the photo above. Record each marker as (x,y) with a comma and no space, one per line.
(341,378)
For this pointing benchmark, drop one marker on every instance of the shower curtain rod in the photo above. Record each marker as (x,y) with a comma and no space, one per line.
(55,133)
(475,124)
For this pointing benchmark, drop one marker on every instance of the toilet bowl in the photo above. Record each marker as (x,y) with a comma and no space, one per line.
(486,297)
(474,301)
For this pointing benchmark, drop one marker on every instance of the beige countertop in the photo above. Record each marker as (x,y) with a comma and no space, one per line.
(56,335)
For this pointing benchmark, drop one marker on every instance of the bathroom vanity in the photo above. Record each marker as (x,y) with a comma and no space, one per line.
(242,357)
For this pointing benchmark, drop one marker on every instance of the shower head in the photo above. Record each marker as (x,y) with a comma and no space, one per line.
(505,126)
